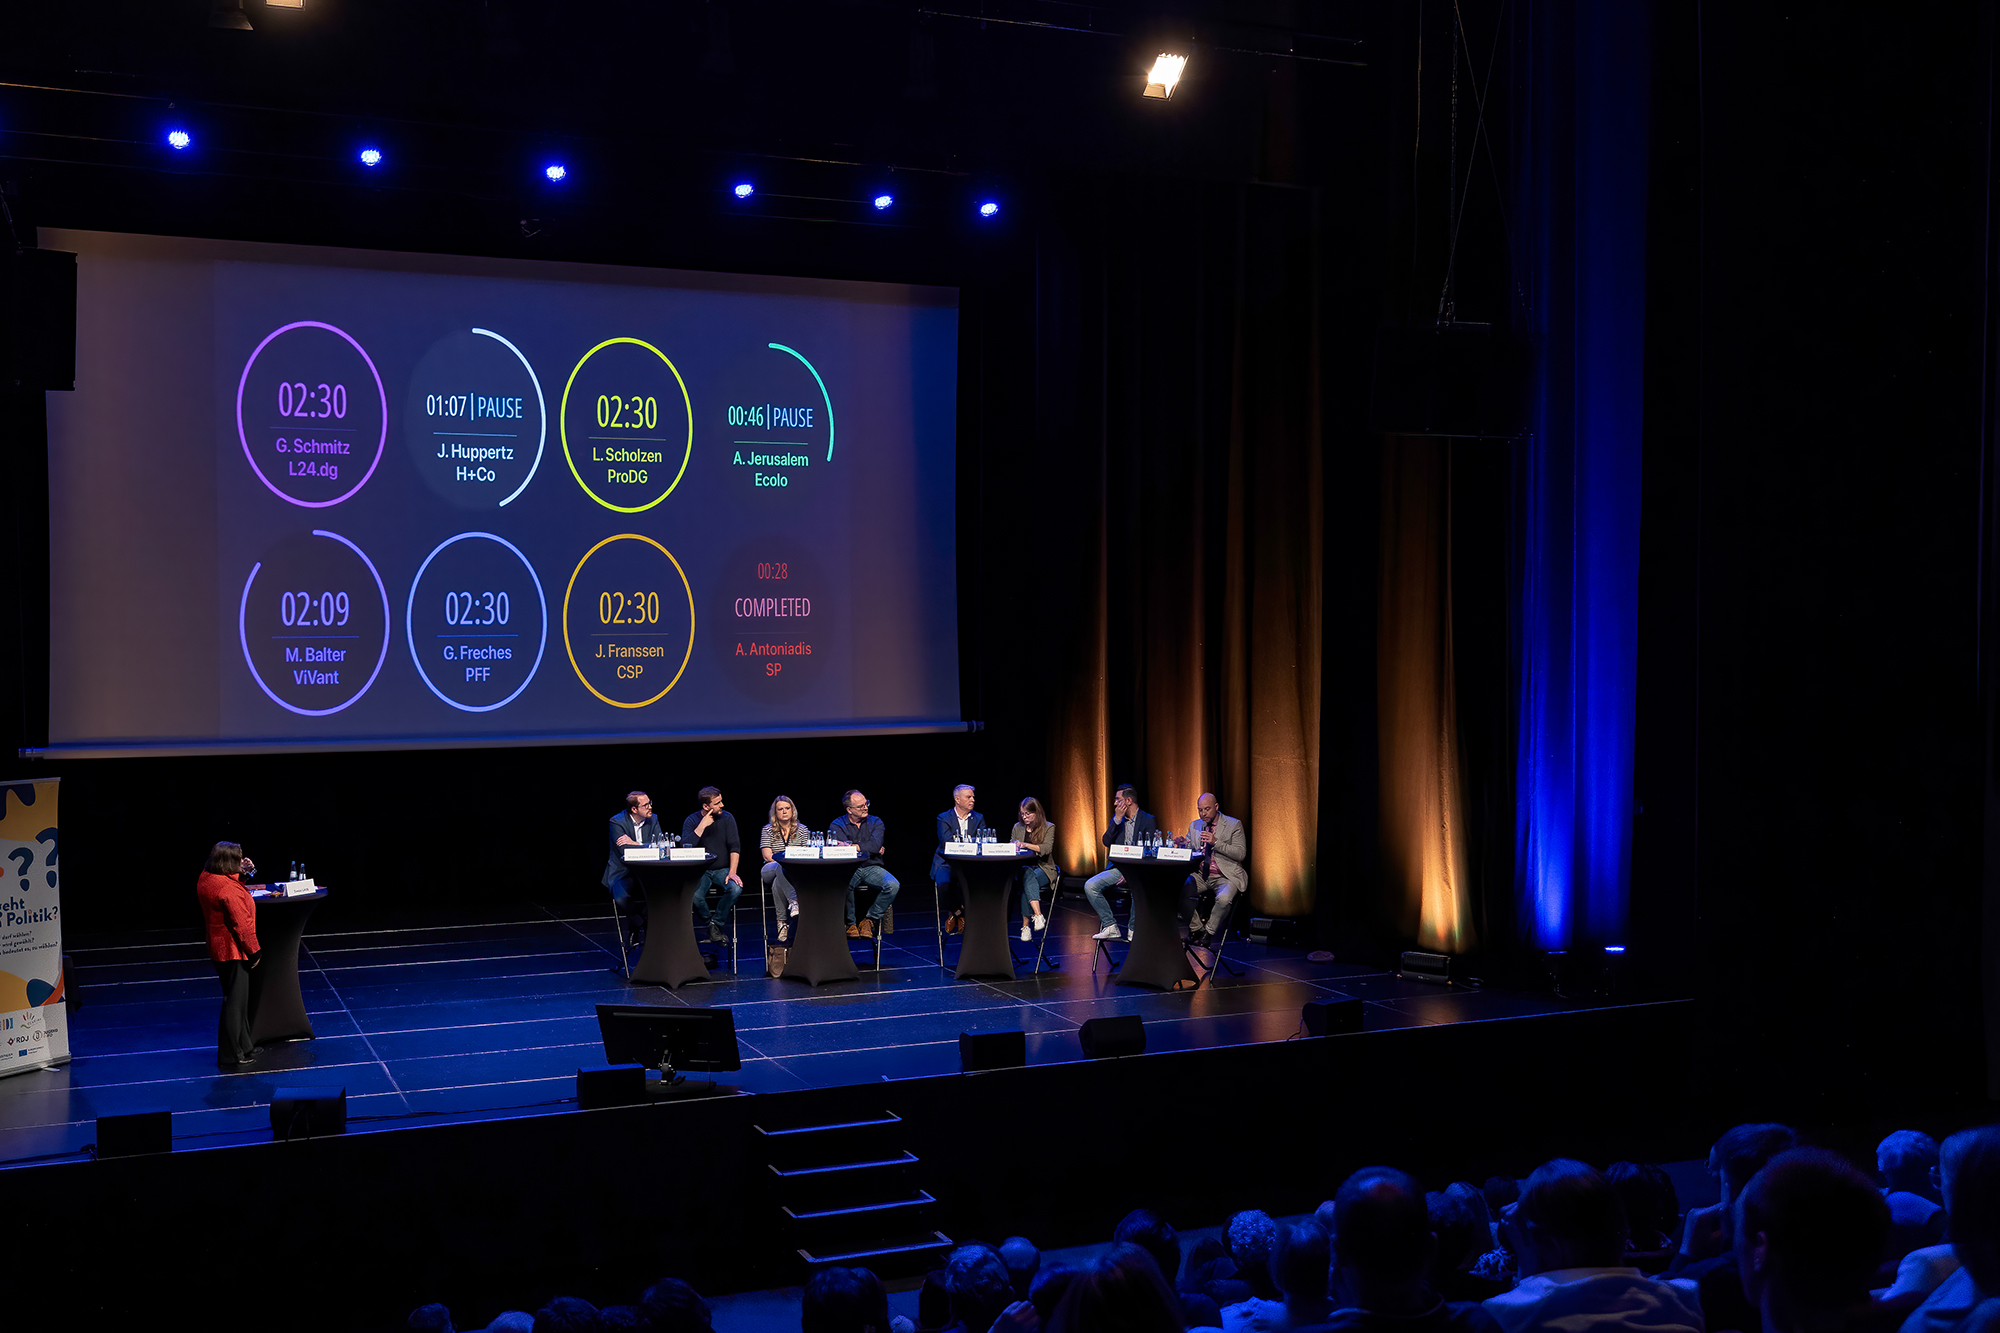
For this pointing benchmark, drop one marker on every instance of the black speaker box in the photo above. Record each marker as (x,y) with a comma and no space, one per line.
(37,318)
(139,1132)
(610,1085)
(992,1050)
(308,1112)
(1330,1018)
(1103,1037)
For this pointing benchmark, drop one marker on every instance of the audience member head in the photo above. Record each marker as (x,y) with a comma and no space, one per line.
(1120,1292)
(567,1314)
(1300,1265)
(225,858)
(1382,1242)
(1324,1216)
(1459,1241)
(977,1282)
(1051,1284)
(1482,1215)
(1021,1258)
(1809,1232)
(1150,1232)
(675,1307)
(512,1321)
(1251,1236)
(933,1302)
(1499,1191)
(1741,1153)
(1969,1166)
(1905,1159)
(1569,1216)
(432,1318)
(844,1300)
(1652,1208)
(1207,1259)
(624,1319)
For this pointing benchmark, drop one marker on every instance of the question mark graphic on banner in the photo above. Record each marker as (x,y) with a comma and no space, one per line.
(48,835)
(27,863)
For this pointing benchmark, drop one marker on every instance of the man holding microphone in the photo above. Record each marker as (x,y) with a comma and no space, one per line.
(1222,851)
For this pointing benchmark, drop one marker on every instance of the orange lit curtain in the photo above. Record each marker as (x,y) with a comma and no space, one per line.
(1423,834)
(1179,411)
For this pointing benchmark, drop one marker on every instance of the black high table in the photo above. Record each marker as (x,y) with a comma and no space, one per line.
(819,951)
(671,958)
(277,1009)
(1156,957)
(985,881)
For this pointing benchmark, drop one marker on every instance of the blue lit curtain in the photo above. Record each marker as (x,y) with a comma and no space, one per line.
(1582,84)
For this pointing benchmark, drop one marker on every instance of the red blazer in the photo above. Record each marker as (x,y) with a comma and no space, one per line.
(230,915)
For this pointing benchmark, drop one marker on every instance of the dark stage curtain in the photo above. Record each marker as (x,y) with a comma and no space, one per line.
(1178,452)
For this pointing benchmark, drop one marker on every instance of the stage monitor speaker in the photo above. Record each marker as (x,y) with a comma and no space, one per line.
(992,1050)
(1331,1018)
(139,1132)
(1104,1037)
(308,1112)
(1426,967)
(674,1039)
(610,1085)
(37,318)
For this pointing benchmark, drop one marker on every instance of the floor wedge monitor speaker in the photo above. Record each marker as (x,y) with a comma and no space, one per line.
(1104,1037)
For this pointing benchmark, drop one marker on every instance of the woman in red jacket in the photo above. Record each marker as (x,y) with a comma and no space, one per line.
(230,916)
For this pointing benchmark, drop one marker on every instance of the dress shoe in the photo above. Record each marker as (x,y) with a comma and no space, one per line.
(868,928)
(853,932)
(956,925)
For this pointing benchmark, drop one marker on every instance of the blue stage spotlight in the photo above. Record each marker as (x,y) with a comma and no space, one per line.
(1614,948)
(744,190)
(556,171)
(178,139)
(883,201)
(989,209)
(371,157)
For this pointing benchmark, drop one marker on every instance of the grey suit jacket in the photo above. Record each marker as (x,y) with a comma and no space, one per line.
(1232,851)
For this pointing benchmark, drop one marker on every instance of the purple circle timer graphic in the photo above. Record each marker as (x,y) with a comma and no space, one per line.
(311,414)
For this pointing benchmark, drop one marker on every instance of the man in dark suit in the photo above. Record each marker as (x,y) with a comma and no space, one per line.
(634,826)
(1129,826)
(961,823)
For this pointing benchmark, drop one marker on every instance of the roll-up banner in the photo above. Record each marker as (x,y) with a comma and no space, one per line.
(34,1027)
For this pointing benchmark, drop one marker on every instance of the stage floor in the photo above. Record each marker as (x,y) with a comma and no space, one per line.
(467,1014)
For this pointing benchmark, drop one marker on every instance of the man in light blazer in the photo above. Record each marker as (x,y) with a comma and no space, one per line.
(1222,854)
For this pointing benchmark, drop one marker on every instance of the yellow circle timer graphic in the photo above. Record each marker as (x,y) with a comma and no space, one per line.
(618,424)
(625,605)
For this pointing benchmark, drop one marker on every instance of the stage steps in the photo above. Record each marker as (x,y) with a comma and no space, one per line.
(847,1195)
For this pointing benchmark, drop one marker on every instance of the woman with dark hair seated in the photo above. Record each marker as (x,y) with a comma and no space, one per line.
(1120,1292)
(229,916)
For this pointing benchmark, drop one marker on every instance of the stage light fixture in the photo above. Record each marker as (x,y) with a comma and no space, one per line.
(371,157)
(556,171)
(1165,75)
(178,139)
(744,190)
(1614,948)
(882,202)
(286,4)
(228,14)
(989,209)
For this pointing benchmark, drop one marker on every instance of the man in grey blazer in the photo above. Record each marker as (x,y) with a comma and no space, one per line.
(1221,862)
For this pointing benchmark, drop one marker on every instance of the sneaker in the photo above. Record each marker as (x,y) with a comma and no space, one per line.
(1108,933)
(784,931)
(717,935)
(1026,934)
(1041,922)
(795,908)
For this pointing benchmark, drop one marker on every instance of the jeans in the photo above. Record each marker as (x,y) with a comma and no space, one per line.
(780,887)
(625,894)
(878,878)
(1033,881)
(716,877)
(1093,889)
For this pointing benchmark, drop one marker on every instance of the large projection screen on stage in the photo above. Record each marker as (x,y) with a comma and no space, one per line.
(306,497)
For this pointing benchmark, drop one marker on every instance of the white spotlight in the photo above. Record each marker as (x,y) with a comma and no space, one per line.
(1166,73)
